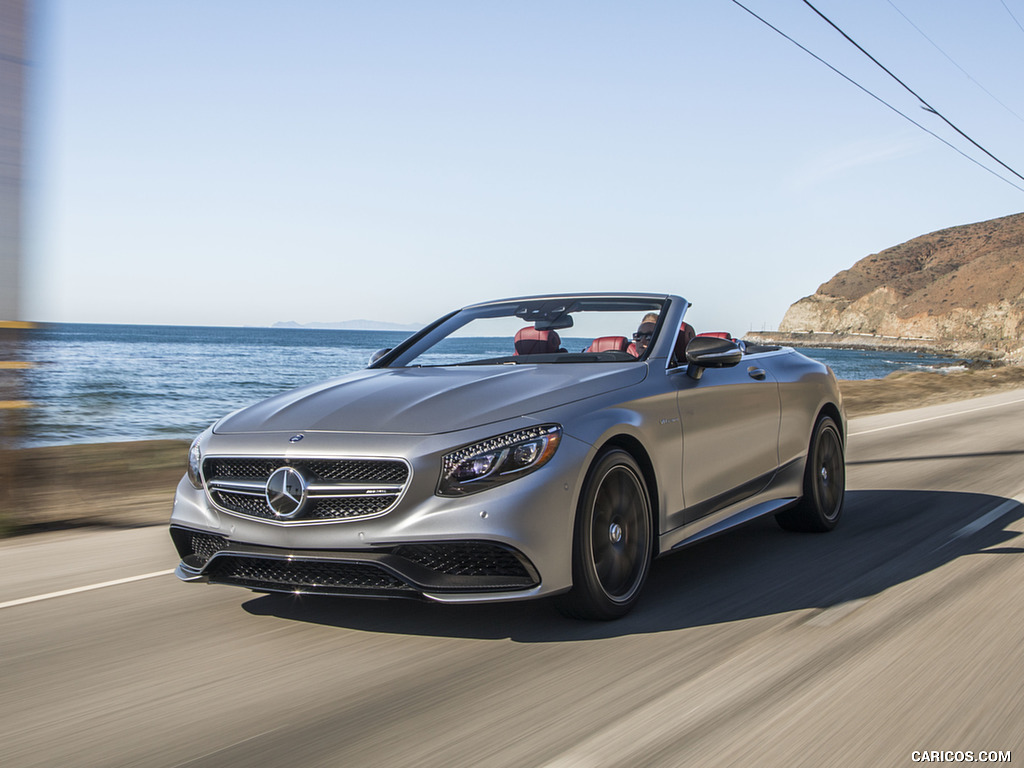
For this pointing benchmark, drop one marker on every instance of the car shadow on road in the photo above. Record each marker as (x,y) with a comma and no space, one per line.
(886,537)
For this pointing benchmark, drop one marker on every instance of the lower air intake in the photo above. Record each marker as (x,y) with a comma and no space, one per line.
(307,576)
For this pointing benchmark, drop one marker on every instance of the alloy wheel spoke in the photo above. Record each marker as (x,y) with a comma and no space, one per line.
(617,535)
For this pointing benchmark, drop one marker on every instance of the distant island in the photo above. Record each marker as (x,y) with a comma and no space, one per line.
(352,325)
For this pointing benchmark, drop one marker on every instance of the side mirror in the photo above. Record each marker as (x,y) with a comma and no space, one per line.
(378,355)
(710,352)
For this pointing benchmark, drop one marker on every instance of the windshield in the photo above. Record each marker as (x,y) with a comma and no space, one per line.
(564,330)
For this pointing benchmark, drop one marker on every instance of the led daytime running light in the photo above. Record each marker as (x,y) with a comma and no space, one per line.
(194,463)
(499,470)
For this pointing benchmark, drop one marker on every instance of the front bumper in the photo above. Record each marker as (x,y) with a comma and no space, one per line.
(431,570)
(511,542)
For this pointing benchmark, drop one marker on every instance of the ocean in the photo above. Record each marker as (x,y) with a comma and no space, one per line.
(104,383)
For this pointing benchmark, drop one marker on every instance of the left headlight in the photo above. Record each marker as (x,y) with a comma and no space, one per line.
(498,460)
(195,461)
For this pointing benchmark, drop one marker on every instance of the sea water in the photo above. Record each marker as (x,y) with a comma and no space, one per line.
(102,383)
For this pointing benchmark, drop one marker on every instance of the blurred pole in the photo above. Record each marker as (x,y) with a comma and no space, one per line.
(13,74)
(13,78)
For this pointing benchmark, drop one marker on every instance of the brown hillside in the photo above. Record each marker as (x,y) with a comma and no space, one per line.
(963,285)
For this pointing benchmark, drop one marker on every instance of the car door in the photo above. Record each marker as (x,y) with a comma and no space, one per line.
(730,430)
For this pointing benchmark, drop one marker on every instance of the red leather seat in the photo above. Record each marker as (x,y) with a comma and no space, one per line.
(608,344)
(686,335)
(530,341)
(718,335)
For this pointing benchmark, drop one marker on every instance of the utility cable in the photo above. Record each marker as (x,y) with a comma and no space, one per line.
(1011,14)
(925,105)
(877,98)
(953,62)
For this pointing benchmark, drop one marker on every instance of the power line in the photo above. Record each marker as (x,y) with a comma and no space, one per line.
(953,62)
(927,107)
(877,98)
(1011,14)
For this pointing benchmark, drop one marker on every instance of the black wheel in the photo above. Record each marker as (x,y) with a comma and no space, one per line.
(612,540)
(824,483)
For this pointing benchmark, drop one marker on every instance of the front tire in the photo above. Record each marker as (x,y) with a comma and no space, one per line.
(612,540)
(821,506)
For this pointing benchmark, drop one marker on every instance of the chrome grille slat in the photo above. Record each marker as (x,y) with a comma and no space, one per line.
(352,489)
(337,489)
(238,486)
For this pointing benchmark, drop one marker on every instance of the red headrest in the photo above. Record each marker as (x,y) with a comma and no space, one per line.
(717,335)
(686,335)
(609,344)
(530,341)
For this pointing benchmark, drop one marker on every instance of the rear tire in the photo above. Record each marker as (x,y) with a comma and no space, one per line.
(821,506)
(612,540)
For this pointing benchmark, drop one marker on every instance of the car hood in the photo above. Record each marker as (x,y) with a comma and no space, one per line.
(430,400)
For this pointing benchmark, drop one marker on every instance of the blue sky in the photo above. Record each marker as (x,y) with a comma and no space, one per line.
(239,163)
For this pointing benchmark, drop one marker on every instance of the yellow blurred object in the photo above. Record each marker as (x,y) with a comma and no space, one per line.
(10,405)
(15,365)
(23,325)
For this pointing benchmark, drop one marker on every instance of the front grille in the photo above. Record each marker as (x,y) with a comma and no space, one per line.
(315,509)
(241,468)
(333,470)
(331,509)
(465,559)
(337,489)
(327,576)
(359,470)
(243,503)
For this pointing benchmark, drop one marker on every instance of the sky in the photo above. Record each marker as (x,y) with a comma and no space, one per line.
(230,162)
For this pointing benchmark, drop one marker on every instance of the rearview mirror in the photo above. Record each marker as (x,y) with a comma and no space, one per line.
(556,324)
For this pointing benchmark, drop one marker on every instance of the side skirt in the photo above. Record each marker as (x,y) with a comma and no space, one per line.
(713,525)
(784,491)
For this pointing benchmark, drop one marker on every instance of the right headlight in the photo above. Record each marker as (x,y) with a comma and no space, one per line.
(195,463)
(498,460)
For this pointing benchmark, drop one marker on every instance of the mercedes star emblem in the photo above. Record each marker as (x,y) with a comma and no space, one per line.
(286,492)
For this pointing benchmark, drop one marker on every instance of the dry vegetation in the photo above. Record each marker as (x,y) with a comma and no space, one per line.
(132,484)
(105,484)
(899,391)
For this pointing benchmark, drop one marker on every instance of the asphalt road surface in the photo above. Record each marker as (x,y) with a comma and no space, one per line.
(900,632)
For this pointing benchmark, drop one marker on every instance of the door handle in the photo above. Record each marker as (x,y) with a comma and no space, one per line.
(757,373)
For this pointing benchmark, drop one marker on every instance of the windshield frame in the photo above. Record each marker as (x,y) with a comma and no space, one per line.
(531,309)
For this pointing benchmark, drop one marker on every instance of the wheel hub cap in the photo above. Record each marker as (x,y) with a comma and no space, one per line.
(615,533)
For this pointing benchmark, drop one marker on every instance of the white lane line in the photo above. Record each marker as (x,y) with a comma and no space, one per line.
(933,418)
(90,587)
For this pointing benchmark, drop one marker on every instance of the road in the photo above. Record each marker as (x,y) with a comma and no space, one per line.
(901,631)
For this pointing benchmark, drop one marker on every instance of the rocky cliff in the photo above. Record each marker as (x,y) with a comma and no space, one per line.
(959,288)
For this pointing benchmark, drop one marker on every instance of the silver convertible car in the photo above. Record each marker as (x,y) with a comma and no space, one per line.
(547,445)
